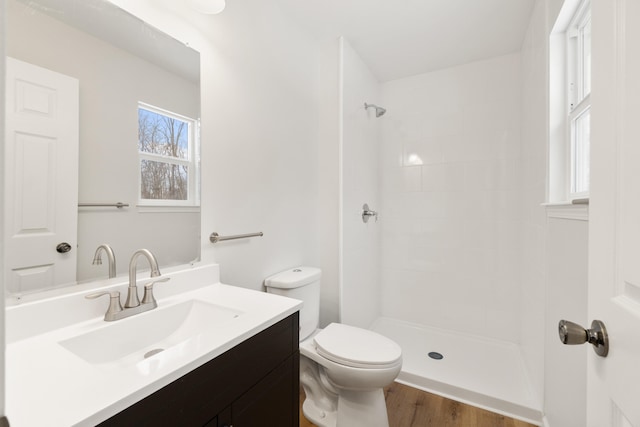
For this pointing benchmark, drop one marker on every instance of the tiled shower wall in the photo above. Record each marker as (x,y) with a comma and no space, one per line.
(451,198)
(360,290)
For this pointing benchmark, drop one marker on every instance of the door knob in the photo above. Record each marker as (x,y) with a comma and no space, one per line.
(571,333)
(63,248)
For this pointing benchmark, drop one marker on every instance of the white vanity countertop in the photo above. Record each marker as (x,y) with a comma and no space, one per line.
(48,385)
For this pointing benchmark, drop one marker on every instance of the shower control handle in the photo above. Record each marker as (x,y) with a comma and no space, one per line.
(367,213)
(571,334)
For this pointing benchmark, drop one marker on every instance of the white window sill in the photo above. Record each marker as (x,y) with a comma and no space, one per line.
(568,210)
(167,209)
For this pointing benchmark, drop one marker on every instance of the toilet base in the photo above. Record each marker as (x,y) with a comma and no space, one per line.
(358,408)
(321,403)
(326,406)
(318,416)
(354,409)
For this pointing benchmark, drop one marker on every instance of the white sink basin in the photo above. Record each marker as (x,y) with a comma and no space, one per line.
(144,335)
(59,350)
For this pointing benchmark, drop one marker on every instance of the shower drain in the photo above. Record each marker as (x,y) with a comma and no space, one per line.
(435,355)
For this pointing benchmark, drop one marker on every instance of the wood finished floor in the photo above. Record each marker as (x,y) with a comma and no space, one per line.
(409,407)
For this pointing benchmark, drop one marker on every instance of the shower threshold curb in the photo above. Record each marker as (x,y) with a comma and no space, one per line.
(470,397)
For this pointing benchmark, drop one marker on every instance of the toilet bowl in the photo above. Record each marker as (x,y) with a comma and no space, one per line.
(343,369)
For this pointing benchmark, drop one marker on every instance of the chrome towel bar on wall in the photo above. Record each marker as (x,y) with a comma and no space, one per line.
(215,237)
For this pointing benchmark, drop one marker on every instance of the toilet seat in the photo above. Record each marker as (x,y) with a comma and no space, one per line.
(356,347)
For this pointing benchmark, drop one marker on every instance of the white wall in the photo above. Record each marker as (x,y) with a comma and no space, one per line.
(328,208)
(2,322)
(554,264)
(360,288)
(112,82)
(451,216)
(261,100)
(534,161)
(565,382)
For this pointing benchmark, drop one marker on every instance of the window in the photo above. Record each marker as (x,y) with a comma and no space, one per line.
(579,67)
(167,157)
(570,103)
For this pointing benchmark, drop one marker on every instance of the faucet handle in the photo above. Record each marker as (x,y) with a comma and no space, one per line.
(148,290)
(112,294)
(114,303)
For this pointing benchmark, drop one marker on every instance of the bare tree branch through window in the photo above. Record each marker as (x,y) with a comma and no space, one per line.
(163,142)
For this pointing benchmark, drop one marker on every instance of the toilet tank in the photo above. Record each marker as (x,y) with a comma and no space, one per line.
(302,283)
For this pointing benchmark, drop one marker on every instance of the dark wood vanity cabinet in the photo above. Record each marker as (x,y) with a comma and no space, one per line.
(255,383)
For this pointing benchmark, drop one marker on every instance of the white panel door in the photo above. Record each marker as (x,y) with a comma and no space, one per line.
(41,177)
(613,382)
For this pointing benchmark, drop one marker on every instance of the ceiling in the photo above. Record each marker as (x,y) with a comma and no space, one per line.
(402,38)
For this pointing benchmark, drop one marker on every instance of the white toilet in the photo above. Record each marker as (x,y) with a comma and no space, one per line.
(343,369)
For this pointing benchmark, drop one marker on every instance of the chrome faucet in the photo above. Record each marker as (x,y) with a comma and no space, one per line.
(97,258)
(133,305)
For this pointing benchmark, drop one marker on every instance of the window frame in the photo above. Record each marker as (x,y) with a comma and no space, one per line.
(579,96)
(576,145)
(192,162)
(569,101)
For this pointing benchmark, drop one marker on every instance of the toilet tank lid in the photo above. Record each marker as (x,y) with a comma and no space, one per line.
(293,278)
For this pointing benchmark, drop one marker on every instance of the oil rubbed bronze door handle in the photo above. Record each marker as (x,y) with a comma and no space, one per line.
(63,248)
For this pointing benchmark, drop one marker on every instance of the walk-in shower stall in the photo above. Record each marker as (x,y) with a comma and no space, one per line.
(435,157)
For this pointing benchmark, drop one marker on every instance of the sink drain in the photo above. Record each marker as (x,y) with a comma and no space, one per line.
(153,352)
(435,355)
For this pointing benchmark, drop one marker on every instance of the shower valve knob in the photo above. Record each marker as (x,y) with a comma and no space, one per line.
(367,213)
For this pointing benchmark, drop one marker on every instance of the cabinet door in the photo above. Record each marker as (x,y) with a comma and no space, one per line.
(273,401)
(223,419)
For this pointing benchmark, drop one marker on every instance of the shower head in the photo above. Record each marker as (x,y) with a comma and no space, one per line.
(379,110)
